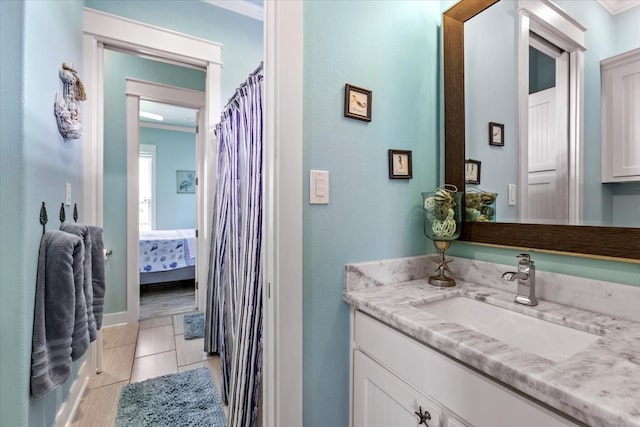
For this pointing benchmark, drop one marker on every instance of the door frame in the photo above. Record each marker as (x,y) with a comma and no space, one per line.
(102,29)
(555,25)
(283,31)
(137,90)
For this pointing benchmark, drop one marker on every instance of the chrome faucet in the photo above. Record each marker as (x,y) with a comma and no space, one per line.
(526,277)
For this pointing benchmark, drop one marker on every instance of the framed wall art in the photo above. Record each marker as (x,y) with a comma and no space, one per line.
(496,134)
(186,182)
(357,103)
(400,166)
(472,171)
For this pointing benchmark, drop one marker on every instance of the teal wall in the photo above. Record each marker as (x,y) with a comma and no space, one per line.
(490,61)
(118,66)
(392,48)
(36,163)
(627,30)
(15,344)
(174,151)
(240,35)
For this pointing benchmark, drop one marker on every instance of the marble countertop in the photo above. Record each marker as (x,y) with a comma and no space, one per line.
(599,386)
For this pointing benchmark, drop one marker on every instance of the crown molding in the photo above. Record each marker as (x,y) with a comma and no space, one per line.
(615,7)
(242,7)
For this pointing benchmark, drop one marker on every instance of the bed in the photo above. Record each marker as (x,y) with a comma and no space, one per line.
(167,256)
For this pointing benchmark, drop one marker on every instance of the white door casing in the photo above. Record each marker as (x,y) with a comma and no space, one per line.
(560,29)
(102,29)
(137,90)
(282,379)
(282,389)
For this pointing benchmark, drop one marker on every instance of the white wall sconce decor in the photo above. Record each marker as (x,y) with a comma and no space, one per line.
(67,106)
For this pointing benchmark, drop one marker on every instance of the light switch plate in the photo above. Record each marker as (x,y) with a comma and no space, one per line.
(513,194)
(67,194)
(318,187)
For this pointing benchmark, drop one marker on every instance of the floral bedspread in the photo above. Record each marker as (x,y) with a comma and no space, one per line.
(163,250)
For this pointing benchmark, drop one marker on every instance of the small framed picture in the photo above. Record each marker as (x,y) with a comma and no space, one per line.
(496,134)
(186,182)
(400,164)
(357,103)
(472,172)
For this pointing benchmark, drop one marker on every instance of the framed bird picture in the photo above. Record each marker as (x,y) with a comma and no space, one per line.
(357,103)
(186,182)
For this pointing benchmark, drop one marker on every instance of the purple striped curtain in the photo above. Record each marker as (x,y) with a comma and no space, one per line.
(233,325)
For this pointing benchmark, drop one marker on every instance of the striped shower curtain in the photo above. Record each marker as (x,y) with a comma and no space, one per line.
(233,326)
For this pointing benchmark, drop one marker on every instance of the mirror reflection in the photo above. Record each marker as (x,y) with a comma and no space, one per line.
(535,165)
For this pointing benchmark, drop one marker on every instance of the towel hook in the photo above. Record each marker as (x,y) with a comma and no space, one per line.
(43,217)
(63,215)
(75,212)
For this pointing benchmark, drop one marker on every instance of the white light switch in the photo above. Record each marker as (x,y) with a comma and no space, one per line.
(67,194)
(513,194)
(318,187)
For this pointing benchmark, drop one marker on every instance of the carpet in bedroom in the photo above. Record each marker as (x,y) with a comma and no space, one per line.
(193,326)
(188,398)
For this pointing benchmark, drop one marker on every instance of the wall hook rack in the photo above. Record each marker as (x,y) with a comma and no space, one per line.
(43,217)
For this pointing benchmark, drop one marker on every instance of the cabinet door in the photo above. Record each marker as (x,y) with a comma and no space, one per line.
(626,115)
(383,400)
(621,117)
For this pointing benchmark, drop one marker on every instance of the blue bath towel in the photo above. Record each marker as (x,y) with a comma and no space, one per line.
(83,231)
(60,320)
(97,273)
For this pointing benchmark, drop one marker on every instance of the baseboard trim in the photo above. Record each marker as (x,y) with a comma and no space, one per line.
(113,319)
(67,411)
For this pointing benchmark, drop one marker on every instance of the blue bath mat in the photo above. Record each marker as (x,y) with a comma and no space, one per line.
(193,326)
(185,399)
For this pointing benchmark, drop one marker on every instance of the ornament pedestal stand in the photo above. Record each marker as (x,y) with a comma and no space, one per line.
(441,279)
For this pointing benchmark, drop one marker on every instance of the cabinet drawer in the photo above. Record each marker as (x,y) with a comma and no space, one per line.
(477,399)
(382,399)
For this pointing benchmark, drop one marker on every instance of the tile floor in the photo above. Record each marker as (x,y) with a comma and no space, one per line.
(133,353)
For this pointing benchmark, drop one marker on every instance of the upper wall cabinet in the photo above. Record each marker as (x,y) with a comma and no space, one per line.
(621,117)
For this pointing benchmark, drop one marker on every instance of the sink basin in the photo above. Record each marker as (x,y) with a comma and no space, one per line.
(549,340)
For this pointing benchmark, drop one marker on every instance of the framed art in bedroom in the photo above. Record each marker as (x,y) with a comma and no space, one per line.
(186,182)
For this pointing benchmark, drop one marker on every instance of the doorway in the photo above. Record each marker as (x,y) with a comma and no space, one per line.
(166,254)
(167,209)
(283,133)
(551,32)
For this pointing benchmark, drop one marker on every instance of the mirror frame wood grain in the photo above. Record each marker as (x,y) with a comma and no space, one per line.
(593,241)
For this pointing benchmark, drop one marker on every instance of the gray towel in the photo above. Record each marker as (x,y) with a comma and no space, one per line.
(97,272)
(83,231)
(59,311)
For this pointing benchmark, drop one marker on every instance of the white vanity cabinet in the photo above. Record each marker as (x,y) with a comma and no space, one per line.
(621,117)
(395,376)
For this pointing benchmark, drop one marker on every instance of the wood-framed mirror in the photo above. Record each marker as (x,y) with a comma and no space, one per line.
(594,241)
